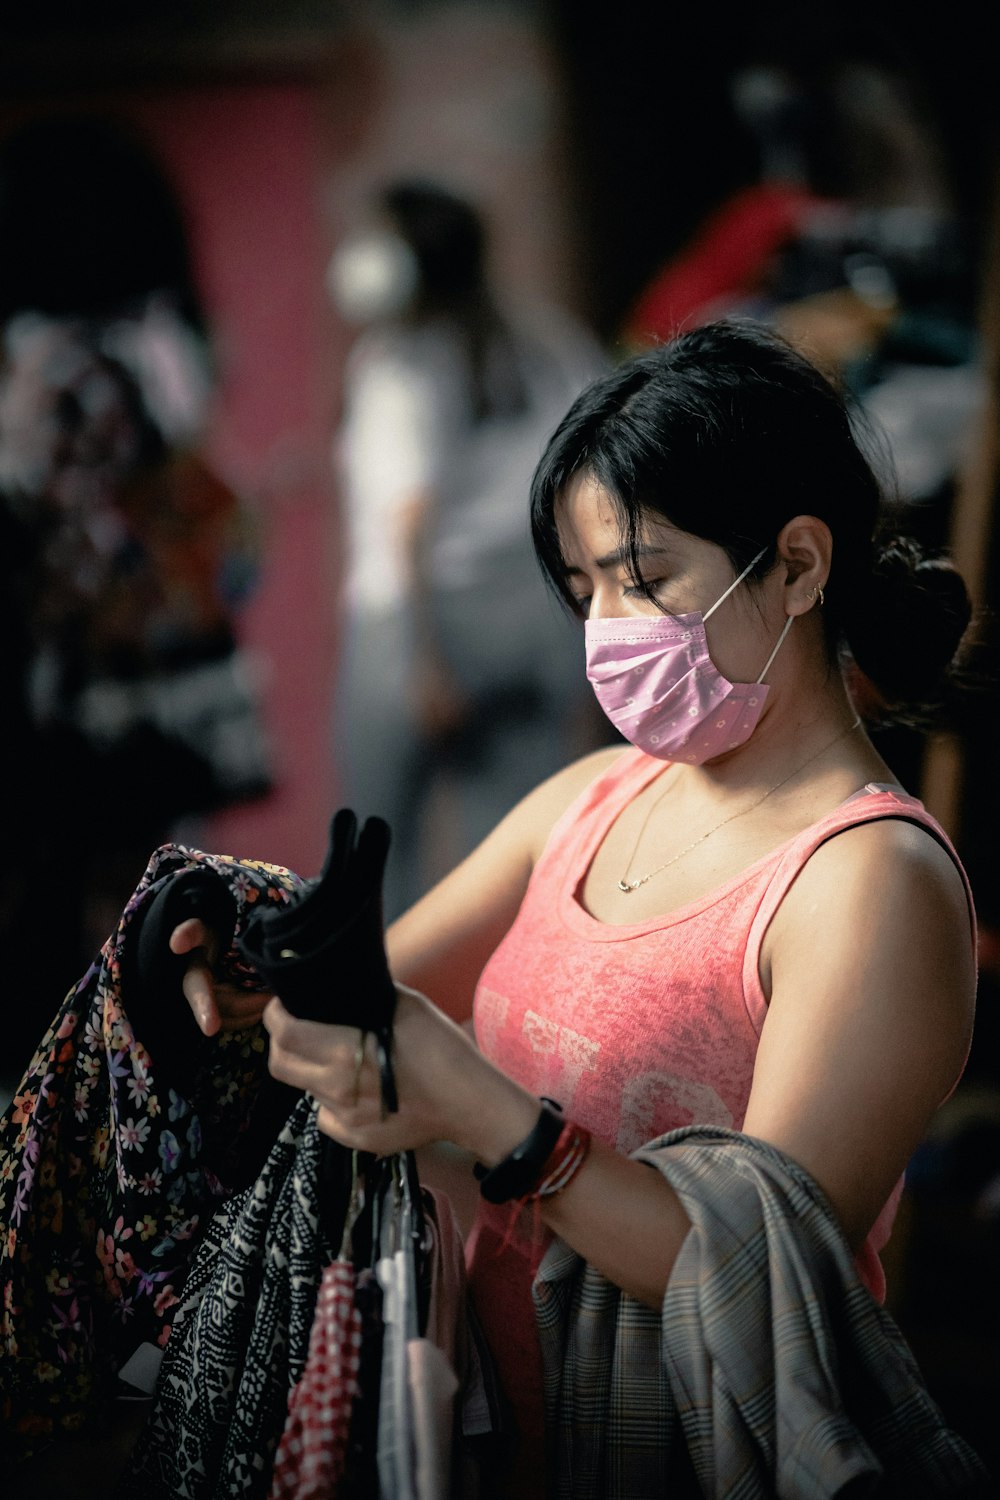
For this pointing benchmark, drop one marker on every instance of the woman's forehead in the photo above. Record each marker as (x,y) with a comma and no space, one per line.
(588,515)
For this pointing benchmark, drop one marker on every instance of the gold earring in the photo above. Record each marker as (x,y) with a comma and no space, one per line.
(817,593)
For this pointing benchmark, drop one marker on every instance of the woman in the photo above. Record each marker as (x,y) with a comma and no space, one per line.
(457,683)
(743,922)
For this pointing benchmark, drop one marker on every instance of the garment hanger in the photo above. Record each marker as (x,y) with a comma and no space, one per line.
(417,1232)
(356,1204)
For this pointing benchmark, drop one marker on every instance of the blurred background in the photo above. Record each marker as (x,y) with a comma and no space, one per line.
(205,392)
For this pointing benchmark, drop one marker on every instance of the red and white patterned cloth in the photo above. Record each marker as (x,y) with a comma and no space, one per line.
(311,1455)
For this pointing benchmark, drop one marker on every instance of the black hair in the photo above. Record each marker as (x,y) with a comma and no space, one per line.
(448,238)
(727,432)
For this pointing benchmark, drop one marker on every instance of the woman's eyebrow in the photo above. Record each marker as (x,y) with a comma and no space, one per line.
(618,558)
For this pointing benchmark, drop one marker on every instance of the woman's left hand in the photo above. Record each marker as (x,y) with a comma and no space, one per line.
(215,1006)
(447,1089)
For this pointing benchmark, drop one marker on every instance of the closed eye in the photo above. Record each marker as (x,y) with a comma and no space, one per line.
(644,589)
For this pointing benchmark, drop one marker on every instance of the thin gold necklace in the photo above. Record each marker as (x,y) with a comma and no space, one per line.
(627,886)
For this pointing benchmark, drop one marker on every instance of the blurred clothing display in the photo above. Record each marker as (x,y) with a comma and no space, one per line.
(727,261)
(459,686)
(127,559)
(847,243)
(141,556)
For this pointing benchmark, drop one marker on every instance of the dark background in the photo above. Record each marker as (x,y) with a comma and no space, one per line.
(654,139)
(658,144)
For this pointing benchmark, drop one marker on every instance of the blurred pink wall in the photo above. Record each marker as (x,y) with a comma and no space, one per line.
(247,163)
(267,174)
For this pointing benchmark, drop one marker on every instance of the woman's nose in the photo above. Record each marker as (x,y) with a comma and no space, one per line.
(608,604)
(606,601)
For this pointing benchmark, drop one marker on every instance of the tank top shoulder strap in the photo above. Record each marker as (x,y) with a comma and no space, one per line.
(872,802)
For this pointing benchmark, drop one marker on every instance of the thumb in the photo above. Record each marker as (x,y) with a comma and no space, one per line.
(191,934)
(199,991)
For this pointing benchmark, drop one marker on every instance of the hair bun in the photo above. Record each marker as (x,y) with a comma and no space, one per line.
(908,620)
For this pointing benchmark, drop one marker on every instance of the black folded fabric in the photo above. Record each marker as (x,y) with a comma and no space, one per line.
(324,953)
(152,976)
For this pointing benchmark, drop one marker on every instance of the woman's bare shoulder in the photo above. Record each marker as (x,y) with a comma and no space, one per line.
(441,944)
(542,808)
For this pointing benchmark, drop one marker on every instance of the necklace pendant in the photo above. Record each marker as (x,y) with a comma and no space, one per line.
(627,886)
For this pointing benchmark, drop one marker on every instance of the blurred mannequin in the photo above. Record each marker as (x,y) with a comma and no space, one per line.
(124,559)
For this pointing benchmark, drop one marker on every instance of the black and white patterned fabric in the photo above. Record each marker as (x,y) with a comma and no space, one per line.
(240,1337)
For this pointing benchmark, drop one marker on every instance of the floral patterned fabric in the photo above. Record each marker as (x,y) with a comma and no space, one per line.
(109,1174)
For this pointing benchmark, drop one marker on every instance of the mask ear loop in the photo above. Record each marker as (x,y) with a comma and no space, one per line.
(784,631)
(722,599)
(735,585)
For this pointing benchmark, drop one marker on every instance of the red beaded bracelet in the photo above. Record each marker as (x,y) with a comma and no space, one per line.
(544,1163)
(568,1156)
(560,1167)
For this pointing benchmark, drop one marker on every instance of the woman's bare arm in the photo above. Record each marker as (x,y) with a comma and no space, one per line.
(442,943)
(872,980)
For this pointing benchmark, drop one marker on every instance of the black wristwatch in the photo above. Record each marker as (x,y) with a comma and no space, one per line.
(518,1172)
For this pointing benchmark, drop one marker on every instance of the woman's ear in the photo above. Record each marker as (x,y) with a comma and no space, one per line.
(805,549)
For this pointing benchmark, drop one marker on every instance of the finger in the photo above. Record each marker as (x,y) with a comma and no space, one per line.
(359,1064)
(191,934)
(239,1008)
(368,1135)
(323,1060)
(199,991)
(316,1041)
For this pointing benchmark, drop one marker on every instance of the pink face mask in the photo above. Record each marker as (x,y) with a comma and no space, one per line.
(660,688)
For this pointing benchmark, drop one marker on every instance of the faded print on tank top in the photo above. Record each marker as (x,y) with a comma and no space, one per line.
(633,1030)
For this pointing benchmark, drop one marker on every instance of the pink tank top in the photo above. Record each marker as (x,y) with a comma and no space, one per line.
(636,1030)
(643,1028)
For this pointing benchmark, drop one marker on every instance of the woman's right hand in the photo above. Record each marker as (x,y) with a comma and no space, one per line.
(215,1007)
(448,1091)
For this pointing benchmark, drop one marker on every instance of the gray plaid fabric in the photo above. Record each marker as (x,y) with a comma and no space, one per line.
(770,1361)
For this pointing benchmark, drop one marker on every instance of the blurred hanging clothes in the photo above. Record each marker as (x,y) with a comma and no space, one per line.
(726,264)
(125,564)
(848,243)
